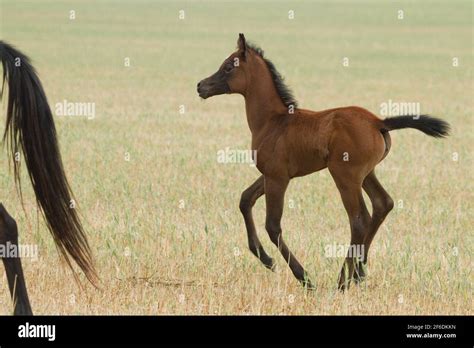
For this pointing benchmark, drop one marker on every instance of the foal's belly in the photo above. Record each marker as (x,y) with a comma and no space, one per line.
(306,163)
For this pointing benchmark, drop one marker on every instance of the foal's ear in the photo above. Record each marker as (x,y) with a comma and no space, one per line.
(242,45)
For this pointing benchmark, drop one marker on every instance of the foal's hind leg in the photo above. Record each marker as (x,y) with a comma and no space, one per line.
(351,193)
(274,195)
(16,280)
(382,204)
(247,201)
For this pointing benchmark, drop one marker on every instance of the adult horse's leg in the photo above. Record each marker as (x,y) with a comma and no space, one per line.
(274,195)
(351,193)
(16,280)
(382,204)
(247,201)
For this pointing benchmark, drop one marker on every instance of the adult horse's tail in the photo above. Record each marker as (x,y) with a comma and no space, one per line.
(30,126)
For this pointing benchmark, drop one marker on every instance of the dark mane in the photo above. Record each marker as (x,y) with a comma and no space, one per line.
(285,93)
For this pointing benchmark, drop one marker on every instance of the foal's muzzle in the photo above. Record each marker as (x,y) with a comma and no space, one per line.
(213,85)
(203,90)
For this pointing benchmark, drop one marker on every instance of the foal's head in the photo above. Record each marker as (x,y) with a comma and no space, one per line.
(231,76)
(240,70)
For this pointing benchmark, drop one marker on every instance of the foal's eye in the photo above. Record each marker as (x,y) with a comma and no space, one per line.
(228,68)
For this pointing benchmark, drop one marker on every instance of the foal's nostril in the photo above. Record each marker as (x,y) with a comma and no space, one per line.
(199,84)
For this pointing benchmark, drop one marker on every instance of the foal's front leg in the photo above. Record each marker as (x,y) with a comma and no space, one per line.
(275,194)
(247,201)
(16,280)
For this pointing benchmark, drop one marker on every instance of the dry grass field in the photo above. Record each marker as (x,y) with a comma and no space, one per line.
(162,213)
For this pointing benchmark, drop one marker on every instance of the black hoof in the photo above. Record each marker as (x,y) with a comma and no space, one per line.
(360,273)
(308,285)
(23,309)
(342,283)
(269,263)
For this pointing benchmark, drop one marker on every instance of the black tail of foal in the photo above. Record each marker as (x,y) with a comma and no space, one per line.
(429,125)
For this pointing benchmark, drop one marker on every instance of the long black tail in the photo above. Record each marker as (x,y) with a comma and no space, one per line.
(30,126)
(429,125)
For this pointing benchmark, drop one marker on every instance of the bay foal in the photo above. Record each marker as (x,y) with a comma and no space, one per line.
(292,142)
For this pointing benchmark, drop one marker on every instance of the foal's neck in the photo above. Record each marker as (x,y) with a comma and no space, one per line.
(262,102)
